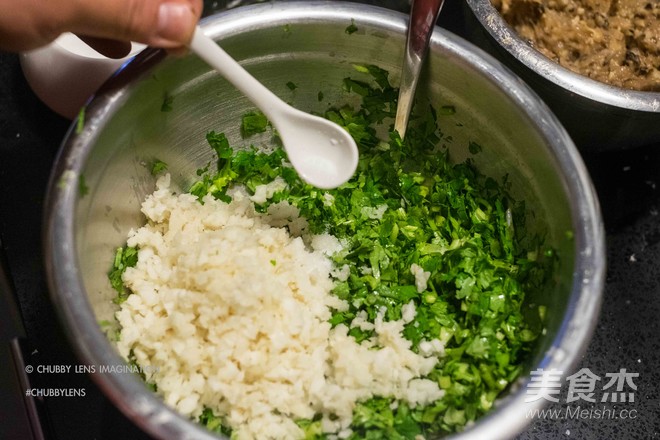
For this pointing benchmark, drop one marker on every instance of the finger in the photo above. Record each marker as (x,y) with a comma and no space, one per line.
(109,48)
(160,23)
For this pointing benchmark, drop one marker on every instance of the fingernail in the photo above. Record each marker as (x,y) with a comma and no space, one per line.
(175,23)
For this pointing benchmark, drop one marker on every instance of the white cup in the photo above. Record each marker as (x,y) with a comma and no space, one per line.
(67,72)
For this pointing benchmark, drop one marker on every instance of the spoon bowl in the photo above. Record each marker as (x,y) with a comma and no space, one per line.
(323,153)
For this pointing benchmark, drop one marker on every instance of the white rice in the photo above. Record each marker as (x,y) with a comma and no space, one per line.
(230,313)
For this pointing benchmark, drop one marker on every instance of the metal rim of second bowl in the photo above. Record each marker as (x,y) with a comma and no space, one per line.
(127,391)
(508,38)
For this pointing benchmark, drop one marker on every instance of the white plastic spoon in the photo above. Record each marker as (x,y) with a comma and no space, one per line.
(323,153)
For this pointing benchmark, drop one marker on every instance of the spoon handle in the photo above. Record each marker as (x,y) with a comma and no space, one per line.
(209,51)
(423,15)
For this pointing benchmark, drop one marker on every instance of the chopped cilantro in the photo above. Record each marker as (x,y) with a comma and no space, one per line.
(319,96)
(214,423)
(83,189)
(157,167)
(253,123)
(447,110)
(311,428)
(115,336)
(350,29)
(474,147)
(291,85)
(124,257)
(168,101)
(220,144)
(80,122)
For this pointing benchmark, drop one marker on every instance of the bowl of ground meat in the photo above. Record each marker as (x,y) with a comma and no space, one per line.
(595,63)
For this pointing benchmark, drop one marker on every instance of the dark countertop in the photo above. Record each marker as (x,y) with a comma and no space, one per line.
(627,334)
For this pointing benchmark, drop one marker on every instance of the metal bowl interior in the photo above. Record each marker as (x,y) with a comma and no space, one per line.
(597,116)
(306,43)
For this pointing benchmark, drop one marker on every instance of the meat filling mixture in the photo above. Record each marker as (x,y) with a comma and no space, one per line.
(613,41)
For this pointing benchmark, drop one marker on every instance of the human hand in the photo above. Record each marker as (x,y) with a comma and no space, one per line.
(107,25)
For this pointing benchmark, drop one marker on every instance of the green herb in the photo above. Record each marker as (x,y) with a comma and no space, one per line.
(319,96)
(287,30)
(447,110)
(80,123)
(214,423)
(115,336)
(291,85)
(83,189)
(125,257)
(157,167)
(475,148)
(253,123)
(351,28)
(312,429)
(168,101)
(375,419)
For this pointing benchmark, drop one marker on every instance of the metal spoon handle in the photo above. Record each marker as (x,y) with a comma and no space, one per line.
(423,15)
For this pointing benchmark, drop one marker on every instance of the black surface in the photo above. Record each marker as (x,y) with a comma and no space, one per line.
(626,336)
(20,418)
(30,135)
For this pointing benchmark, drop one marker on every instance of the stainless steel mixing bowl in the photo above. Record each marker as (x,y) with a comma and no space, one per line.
(598,116)
(306,43)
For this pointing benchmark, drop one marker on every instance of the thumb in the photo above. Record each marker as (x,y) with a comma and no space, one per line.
(160,23)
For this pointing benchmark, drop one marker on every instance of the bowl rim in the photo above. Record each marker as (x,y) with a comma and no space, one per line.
(148,411)
(507,37)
